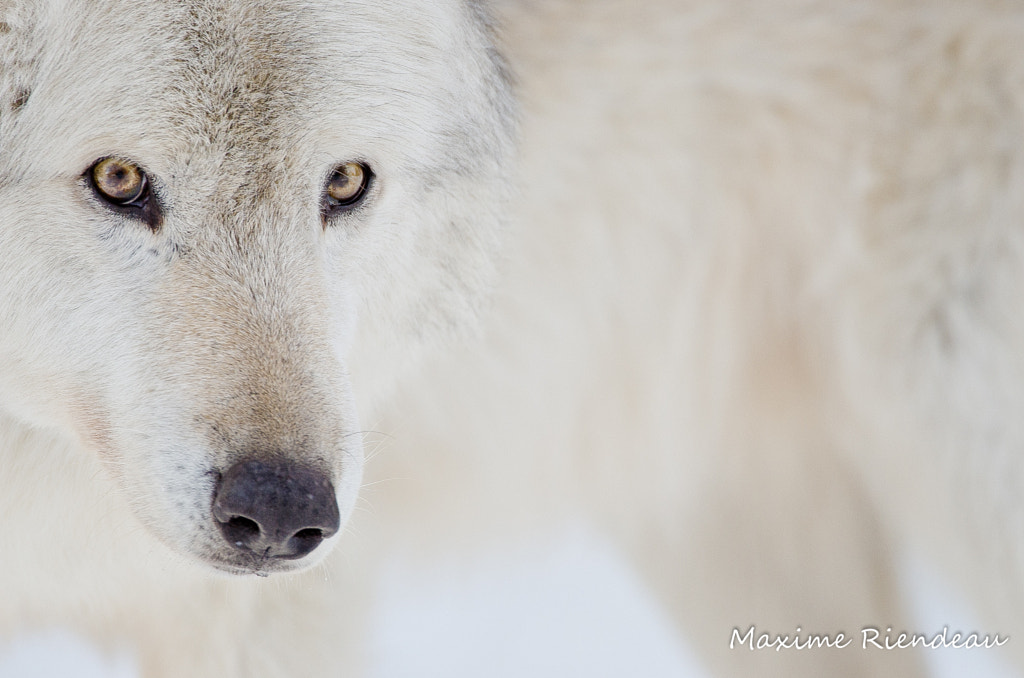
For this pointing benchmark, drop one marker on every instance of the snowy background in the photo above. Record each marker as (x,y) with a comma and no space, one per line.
(575,611)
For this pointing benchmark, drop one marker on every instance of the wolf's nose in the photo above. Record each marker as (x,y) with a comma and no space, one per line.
(275,509)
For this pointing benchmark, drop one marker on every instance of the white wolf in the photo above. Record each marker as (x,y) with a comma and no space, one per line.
(759,309)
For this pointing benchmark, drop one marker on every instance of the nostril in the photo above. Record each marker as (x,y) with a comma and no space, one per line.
(304,541)
(241,531)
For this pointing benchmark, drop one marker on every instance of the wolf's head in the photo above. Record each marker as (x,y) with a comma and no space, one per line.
(215,218)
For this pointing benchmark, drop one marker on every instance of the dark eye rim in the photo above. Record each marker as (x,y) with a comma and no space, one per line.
(143,207)
(332,206)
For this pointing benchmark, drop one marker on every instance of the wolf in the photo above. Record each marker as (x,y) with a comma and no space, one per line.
(227,268)
(739,281)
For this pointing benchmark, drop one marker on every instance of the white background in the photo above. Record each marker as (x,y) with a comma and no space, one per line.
(573,611)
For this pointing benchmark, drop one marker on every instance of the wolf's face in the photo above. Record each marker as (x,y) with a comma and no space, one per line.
(217,216)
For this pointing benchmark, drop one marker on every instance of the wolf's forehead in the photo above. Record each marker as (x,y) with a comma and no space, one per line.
(260,64)
(245,67)
(207,72)
(272,65)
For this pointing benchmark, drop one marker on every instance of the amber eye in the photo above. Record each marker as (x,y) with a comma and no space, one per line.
(119,181)
(347,185)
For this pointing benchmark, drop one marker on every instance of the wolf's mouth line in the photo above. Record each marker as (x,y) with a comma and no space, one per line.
(257,566)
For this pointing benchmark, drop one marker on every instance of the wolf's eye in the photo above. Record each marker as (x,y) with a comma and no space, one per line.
(120,182)
(347,185)
(125,188)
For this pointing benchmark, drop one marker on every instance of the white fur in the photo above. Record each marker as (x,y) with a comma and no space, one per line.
(758,309)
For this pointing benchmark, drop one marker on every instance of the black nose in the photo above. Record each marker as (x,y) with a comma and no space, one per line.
(275,509)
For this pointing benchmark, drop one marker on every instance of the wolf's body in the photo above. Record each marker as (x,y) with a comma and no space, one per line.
(758,310)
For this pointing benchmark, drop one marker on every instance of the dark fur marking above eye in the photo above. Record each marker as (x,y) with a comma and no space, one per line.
(20,99)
